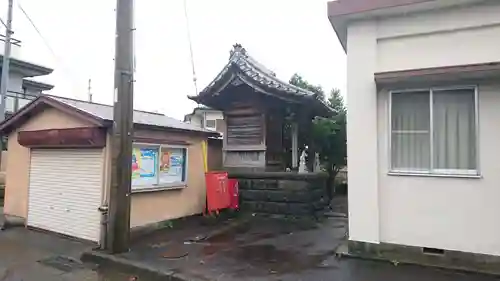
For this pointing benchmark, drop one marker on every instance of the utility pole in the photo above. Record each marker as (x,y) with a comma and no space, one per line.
(121,171)
(4,83)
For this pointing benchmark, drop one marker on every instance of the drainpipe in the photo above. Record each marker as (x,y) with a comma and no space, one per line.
(104,210)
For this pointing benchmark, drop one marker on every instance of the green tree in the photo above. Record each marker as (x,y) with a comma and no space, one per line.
(298,81)
(329,134)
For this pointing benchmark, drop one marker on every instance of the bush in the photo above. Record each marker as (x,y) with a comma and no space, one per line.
(341,189)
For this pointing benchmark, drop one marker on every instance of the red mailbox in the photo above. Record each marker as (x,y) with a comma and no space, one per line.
(217,191)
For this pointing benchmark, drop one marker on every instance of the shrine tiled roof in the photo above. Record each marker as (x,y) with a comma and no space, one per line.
(244,69)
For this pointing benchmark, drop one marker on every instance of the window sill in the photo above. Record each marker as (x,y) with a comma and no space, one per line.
(177,186)
(435,175)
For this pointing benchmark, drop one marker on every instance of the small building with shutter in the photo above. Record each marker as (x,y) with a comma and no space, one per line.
(58,167)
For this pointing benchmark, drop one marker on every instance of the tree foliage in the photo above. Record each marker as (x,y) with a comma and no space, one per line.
(329,134)
(298,81)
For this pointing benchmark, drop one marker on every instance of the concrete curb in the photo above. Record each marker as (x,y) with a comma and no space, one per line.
(144,270)
(412,263)
(12,221)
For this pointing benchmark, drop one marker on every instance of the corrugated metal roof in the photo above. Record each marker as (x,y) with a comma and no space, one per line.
(105,112)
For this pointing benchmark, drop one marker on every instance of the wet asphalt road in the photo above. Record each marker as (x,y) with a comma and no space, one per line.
(259,250)
(21,250)
(270,258)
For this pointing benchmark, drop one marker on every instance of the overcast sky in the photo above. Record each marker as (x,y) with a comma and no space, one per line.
(286,36)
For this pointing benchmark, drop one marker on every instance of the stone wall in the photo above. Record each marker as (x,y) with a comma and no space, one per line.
(278,193)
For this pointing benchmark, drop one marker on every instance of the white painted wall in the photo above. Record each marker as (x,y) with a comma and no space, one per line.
(442,38)
(212,115)
(447,213)
(208,115)
(362,133)
(15,82)
(196,120)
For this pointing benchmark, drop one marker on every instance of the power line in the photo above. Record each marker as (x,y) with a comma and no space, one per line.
(190,47)
(3,23)
(37,30)
(46,43)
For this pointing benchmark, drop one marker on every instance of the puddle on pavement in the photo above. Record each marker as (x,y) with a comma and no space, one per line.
(279,261)
(238,243)
(231,238)
(229,235)
(246,233)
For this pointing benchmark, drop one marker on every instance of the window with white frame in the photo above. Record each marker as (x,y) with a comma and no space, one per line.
(156,166)
(434,131)
(210,124)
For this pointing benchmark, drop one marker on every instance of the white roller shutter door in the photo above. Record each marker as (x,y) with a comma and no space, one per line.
(65,189)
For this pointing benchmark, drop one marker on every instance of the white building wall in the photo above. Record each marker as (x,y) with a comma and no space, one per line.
(15,82)
(213,115)
(201,117)
(449,213)
(196,120)
(467,35)
(362,133)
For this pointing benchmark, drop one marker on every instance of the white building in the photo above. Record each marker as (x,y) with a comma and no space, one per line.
(206,118)
(423,127)
(21,88)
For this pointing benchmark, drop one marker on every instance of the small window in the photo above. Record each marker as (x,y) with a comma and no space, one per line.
(434,131)
(210,124)
(157,166)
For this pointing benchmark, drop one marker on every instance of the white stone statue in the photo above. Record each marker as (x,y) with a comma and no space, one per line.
(302,162)
(317,165)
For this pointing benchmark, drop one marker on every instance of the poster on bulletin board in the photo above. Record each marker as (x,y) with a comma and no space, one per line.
(172,165)
(144,163)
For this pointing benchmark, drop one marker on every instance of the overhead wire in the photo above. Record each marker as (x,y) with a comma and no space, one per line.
(47,44)
(37,30)
(3,23)
(190,48)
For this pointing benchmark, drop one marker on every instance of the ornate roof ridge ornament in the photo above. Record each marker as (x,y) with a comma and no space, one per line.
(237,48)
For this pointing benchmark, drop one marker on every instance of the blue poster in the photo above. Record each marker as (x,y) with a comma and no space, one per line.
(144,163)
